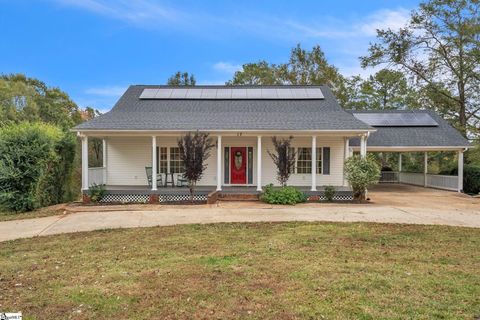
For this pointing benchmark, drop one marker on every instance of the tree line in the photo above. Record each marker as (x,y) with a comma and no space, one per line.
(432,62)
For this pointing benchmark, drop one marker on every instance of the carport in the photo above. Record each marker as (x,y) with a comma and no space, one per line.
(413,131)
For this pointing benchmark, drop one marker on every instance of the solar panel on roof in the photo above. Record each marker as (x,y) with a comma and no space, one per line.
(233,93)
(208,93)
(238,93)
(269,93)
(399,119)
(224,94)
(254,93)
(163,93)
(193,94)
(148,93)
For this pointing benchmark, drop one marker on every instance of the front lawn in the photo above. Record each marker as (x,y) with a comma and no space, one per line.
(257,271)
(39,213)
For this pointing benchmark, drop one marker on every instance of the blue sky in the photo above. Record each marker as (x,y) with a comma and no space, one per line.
(93,49)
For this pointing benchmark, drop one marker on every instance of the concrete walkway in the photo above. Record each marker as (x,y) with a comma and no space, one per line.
(412,205)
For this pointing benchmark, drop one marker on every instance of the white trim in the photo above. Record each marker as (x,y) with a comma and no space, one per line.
(314,164)
(104,160)
(259,163)
(363,146)
(84,162)
(411,148)
(219,163)
(460,171)
(154,163)
(236,132)
(425,168)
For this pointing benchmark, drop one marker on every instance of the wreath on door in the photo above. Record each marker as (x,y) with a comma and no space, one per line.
(238,160)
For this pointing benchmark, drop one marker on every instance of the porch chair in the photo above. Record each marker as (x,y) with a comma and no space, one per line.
(148,171)
(181,181)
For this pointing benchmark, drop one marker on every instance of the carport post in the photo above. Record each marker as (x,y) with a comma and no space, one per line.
(363,146)
(460,171)
(425,168)
(399,166)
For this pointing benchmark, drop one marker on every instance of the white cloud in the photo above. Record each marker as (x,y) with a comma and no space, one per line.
(112,91)
(385,19)
(139,12)
(227,67)
(367,27)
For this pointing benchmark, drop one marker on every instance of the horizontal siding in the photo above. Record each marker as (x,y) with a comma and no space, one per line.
(128,156)
(335,178)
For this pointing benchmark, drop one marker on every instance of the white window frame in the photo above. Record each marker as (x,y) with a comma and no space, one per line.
(319,153)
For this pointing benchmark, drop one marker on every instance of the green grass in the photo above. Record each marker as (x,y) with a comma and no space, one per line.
(252,271)
(44,212)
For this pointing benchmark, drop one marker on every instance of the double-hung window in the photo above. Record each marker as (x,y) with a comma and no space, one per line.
(304,160)
(162,159)
(176,165)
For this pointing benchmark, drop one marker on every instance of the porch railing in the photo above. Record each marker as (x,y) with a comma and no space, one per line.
(389,177)
(95,175)
(418,179)
(442,182)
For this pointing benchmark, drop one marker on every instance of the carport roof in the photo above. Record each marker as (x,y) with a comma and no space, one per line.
(412,137)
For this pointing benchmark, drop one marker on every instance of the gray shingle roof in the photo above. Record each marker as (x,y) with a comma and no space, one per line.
(443,135)
(132,113)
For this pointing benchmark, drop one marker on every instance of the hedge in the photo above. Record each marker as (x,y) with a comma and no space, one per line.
(36,166)
(471,179)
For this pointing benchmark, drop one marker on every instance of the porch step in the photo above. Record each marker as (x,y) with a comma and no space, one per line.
(238,197)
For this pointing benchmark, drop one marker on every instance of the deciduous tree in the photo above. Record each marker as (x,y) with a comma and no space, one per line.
(283,158)
(438,48)
(194,151)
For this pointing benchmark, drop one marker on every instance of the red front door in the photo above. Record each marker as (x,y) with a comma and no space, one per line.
(238,165)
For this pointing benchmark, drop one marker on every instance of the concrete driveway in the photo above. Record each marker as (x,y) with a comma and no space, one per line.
(389,204)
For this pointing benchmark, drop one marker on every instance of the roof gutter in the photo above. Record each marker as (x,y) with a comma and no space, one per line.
(353,132)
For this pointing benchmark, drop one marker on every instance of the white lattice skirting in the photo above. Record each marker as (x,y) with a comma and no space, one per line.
(181,197)
(339,197)
(125,198)
(144,198)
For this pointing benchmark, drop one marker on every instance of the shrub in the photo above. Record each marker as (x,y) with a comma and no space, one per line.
(471,179)
(360,173)
(282,195)
(329,193)
(96,192)
(36,164)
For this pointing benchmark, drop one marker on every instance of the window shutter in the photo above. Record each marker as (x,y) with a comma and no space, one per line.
(226,165)
(326,160)
(250,164)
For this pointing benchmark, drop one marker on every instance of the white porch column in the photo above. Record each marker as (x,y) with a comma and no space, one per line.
(154,163)
(399,162)
(460,171)
(219,163)
(314,163)
(346,155)
(347,148)
(84,163)
(425,168)
(363,146)
(104,158)
(259,163)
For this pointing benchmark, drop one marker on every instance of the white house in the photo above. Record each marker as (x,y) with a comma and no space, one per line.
(142,129)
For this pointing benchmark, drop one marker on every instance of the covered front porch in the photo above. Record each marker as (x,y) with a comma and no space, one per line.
(239,164)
